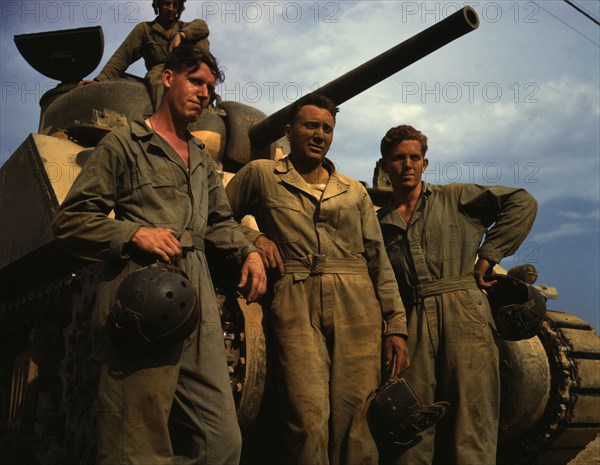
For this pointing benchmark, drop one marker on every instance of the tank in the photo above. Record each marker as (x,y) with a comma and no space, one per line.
(550,409)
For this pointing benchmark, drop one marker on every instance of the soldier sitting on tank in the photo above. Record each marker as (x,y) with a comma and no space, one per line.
(433,235)
(153,40)
(159,403)
(333,294)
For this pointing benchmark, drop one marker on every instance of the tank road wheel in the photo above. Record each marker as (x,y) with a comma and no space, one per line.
(569,397)
(246,353)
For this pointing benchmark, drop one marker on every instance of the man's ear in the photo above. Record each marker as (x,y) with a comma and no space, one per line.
(382,165)
(425,163)
(167,75)
(286,131)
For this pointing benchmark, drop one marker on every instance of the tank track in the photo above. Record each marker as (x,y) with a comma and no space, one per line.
(571,418)
(34,330)
(48,372)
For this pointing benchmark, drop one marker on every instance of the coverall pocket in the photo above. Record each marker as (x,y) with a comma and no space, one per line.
(349,222)
(478,318)
(442,242)
(283,213)
(158,199)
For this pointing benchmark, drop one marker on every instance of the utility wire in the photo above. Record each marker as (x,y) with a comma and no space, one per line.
(582,11)
(570,27)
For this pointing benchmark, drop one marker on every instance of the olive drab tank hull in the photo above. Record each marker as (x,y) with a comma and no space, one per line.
(550,386)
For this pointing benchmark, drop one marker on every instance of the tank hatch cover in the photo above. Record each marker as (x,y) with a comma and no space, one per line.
(67,56)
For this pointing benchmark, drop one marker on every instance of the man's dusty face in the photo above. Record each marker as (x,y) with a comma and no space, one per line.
(168,10)
(310,135)
(189,92)
(405,165)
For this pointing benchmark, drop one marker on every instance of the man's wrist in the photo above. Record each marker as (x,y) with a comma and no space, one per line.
(247,251)
(403,336)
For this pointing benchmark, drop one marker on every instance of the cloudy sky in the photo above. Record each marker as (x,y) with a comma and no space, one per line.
(515,102)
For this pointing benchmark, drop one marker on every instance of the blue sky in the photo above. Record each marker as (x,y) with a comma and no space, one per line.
(515,102)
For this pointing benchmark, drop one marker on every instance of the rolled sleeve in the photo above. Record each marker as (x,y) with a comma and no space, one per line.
(381,272)
(82,225)
(223,232)
(509,213)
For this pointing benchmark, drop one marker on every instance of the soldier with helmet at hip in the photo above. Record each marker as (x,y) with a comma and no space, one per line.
(433,235)
(153,41)
(164,394)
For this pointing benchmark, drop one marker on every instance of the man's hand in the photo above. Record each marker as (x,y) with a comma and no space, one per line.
(176,41)
(269,252)
(157,241)
(253,277)
(483,267)
(396,353)
(84,82)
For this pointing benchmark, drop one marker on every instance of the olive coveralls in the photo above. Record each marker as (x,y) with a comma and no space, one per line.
(149,40)
(328,308)
(454,355)
(156,405)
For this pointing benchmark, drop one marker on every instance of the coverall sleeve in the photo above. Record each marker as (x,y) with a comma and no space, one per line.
(128,52)
(381,272)
(243,198)
(510,212)
(195,31)
(222,231)
(82,225)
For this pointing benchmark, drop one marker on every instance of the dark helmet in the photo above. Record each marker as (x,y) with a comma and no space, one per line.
(398,409)
(517,307)
(156,304)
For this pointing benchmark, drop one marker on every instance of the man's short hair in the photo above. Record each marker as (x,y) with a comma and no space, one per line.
(399,134)
(318,100)
(155,4)
(189,57)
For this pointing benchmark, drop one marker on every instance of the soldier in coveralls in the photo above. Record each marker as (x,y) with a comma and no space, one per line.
(160,405)
(153,41)
(433,235)
(335,296)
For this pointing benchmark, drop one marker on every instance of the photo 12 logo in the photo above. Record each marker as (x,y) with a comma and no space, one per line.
(468,92)
(488,12)
(69,12)
(270,12)
(489,172)
(270,91)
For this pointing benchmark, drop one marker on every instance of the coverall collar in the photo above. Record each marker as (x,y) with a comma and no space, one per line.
(157,28)
(389,214)
(335,186)
(141,131)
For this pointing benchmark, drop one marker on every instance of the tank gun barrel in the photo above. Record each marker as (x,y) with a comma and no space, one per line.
(375,70)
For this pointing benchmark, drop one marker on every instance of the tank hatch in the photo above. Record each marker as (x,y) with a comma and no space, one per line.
(67,56)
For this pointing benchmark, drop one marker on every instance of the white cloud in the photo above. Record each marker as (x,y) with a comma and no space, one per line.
(593,215)
(564,230)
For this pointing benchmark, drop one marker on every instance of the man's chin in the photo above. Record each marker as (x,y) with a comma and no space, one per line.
(193,116)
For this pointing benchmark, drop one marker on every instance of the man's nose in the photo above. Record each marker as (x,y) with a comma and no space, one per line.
(203,91)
